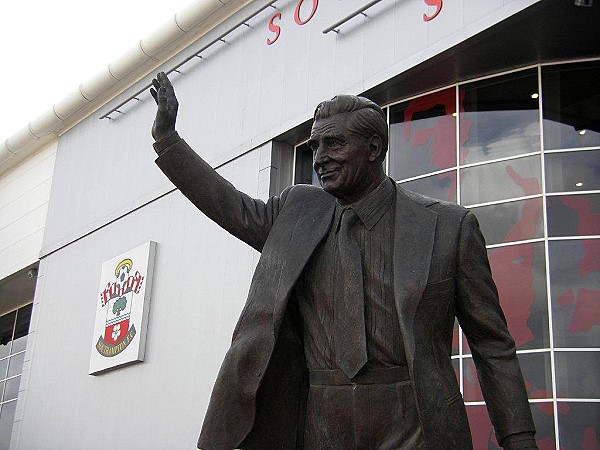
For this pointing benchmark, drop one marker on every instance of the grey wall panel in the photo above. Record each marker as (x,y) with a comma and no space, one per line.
(408,37)
(377,54)
(201,277)
(245,92)
(103,169)
(478,10)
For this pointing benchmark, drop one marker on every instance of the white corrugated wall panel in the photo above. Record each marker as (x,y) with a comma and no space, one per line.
(24,194)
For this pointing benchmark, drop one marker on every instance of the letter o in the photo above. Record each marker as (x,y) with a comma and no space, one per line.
(297,18)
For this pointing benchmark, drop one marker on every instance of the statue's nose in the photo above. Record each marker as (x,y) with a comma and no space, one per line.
(320,157)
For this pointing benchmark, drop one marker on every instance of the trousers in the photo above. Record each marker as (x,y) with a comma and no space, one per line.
(363,415)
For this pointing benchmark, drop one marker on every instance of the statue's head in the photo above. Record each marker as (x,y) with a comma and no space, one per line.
(349,140)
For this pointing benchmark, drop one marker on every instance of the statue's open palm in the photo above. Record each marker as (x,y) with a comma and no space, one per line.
(164,95)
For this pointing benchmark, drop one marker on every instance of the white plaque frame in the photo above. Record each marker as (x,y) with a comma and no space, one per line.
(122,307)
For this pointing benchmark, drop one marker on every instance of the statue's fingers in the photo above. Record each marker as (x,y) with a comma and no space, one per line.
(154,95)
(166,83)
(172,102)
(162,99)
(163,79)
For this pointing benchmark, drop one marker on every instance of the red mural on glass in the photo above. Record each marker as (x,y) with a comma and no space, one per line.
(585,302)
(512,265)
(513,273)
(590,442)
(483,433)
(440,137)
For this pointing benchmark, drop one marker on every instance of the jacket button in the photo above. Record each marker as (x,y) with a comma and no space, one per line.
(258,372)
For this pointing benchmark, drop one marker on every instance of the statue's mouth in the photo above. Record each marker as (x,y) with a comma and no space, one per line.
(326,173)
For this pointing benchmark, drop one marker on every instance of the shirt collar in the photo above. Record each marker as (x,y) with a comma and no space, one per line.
(371,208)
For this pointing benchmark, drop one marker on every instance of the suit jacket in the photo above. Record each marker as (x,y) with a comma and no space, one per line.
(441,272)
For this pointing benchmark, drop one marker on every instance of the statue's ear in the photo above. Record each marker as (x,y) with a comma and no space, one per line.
(375,147)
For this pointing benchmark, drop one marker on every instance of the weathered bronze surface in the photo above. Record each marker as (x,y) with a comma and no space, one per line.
(275,389)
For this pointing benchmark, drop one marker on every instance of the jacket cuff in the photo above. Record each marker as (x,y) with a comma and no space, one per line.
(163,144)
(519,441)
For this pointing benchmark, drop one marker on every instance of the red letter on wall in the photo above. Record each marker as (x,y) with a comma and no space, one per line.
(297,19)
(438,7)
(274,28)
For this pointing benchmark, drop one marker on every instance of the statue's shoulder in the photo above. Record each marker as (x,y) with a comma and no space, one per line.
(307,193)
(439,206)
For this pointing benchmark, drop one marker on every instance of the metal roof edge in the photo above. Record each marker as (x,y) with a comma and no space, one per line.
(181,30)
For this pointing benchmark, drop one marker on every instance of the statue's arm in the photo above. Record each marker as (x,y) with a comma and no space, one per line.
(246,218)
(494,353)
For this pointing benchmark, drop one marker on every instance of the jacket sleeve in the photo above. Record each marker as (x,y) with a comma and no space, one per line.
(244,217)
(484,325)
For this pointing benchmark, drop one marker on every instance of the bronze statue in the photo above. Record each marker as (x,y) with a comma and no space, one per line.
(345,339)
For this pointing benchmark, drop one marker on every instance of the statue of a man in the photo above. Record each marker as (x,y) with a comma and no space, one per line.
(345,339)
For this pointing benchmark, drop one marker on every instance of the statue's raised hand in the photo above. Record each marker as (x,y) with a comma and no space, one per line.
(166,114)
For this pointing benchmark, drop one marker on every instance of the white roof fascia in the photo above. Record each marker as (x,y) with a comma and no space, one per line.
(184,28)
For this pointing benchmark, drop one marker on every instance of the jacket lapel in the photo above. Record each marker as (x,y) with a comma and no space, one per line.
(302,230)
(413,246)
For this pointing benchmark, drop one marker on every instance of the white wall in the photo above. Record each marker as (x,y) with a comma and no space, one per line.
(160,403)
(24,194)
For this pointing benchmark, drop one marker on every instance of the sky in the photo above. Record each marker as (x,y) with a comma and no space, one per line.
(48,48)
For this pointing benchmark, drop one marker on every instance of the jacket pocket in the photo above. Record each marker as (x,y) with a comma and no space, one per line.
(439,288)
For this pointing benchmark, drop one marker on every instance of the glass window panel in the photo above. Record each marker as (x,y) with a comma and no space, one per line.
(15,364)
(482,432)
(423,135)
(455,339)
(471,388)
(571,105)
(520,275)
(21,328)
(456,367)
(501,180)
(574,215)
(579,425)
(499,117)
(7,417)
(11,390)
(513,221)
(577,374)
(3,367)
(441,186)
(304,172)
(536,373)
(575,288)
(7,325)
(543,417)
(573,171)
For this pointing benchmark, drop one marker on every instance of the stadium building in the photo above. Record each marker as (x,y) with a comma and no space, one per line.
(118,298)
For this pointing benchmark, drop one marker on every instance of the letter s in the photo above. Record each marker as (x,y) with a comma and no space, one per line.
(274,28)
(438,4)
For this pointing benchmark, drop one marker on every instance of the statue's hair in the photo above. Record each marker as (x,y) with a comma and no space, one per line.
(366,117)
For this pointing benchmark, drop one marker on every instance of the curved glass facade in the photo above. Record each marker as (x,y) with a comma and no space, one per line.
(522,150)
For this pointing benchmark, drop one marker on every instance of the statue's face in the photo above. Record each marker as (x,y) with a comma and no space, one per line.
(340,158)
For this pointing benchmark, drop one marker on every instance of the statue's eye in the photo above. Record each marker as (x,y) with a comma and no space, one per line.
(334,144)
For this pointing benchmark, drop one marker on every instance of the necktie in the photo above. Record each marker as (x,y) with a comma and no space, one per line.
(349,314)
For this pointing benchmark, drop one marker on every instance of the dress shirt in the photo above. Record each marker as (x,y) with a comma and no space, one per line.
(314,290)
